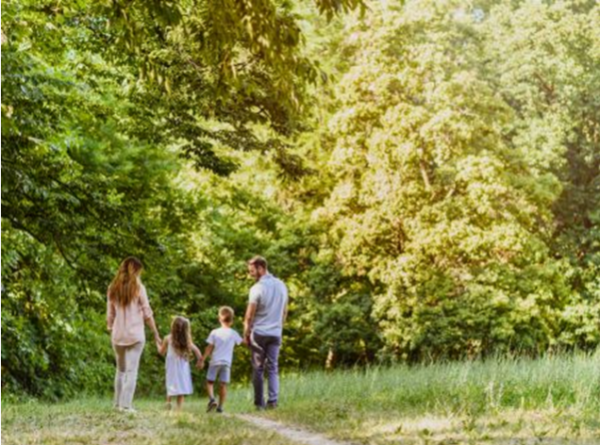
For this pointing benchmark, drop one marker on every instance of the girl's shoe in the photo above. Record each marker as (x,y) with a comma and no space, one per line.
(212,404)
(168,406)
(219,409)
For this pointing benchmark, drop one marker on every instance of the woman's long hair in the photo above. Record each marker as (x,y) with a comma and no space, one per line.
(125,288)
(181,336)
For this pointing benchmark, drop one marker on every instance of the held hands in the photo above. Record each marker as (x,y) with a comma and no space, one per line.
(246,337)
(200,363)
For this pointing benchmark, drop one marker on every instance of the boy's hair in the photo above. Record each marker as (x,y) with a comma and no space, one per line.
(258,261)
(226,314)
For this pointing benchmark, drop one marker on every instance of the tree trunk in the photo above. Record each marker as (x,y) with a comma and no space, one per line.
(330,360)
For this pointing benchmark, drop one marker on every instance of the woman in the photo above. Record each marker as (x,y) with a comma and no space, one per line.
(127,310)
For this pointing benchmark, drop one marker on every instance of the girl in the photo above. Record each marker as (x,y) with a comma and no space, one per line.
(179,347)
(127,311)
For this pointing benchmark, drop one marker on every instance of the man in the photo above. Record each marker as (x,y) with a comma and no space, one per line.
(263,326)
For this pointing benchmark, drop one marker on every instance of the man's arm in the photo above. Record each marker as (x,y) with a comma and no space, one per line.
(285,307)
(248,320)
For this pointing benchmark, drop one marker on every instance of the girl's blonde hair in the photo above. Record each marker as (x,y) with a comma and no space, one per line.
(125,287)
(181,336)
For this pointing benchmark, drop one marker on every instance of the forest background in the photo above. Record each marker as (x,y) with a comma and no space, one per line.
(424,175)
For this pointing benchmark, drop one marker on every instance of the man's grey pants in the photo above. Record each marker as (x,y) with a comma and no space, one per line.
(265,355)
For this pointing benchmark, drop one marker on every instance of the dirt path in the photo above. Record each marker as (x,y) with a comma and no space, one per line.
(293,433)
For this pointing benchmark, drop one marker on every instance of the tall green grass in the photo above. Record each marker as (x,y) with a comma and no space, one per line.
(499,400)
(503,400)
(551,382)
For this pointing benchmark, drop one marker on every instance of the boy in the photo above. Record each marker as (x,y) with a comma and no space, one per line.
(220,344)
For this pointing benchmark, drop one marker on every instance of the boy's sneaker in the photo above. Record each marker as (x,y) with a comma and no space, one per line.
(212,404)
(219,409)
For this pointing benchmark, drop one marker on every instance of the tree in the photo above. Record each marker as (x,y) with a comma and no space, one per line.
(550,80)
(432,199)
(98,101)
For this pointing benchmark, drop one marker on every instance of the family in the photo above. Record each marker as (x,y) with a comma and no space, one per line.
(128,311)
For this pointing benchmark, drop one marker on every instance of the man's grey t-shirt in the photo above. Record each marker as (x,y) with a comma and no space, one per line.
(271,297)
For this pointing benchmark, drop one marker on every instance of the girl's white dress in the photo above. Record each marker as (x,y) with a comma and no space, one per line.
(179,375)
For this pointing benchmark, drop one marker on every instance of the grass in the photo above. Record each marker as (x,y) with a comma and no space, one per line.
(553,400)
(93,421)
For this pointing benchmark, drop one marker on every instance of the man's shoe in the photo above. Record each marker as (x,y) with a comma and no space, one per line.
(212,404)
(271,405)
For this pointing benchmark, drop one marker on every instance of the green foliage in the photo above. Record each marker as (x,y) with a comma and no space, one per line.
(443,193)
(83,186)
(558,126)
(98,106)
(436,197)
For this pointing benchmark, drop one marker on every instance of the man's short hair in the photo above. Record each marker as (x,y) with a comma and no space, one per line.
(258,261)
(226,313)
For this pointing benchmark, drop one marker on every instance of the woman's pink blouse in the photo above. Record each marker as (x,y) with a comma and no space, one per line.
(126,323)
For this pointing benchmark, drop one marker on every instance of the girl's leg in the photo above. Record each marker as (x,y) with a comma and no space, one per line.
(132,362)
(119,374)
(222,393)
(180,402)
